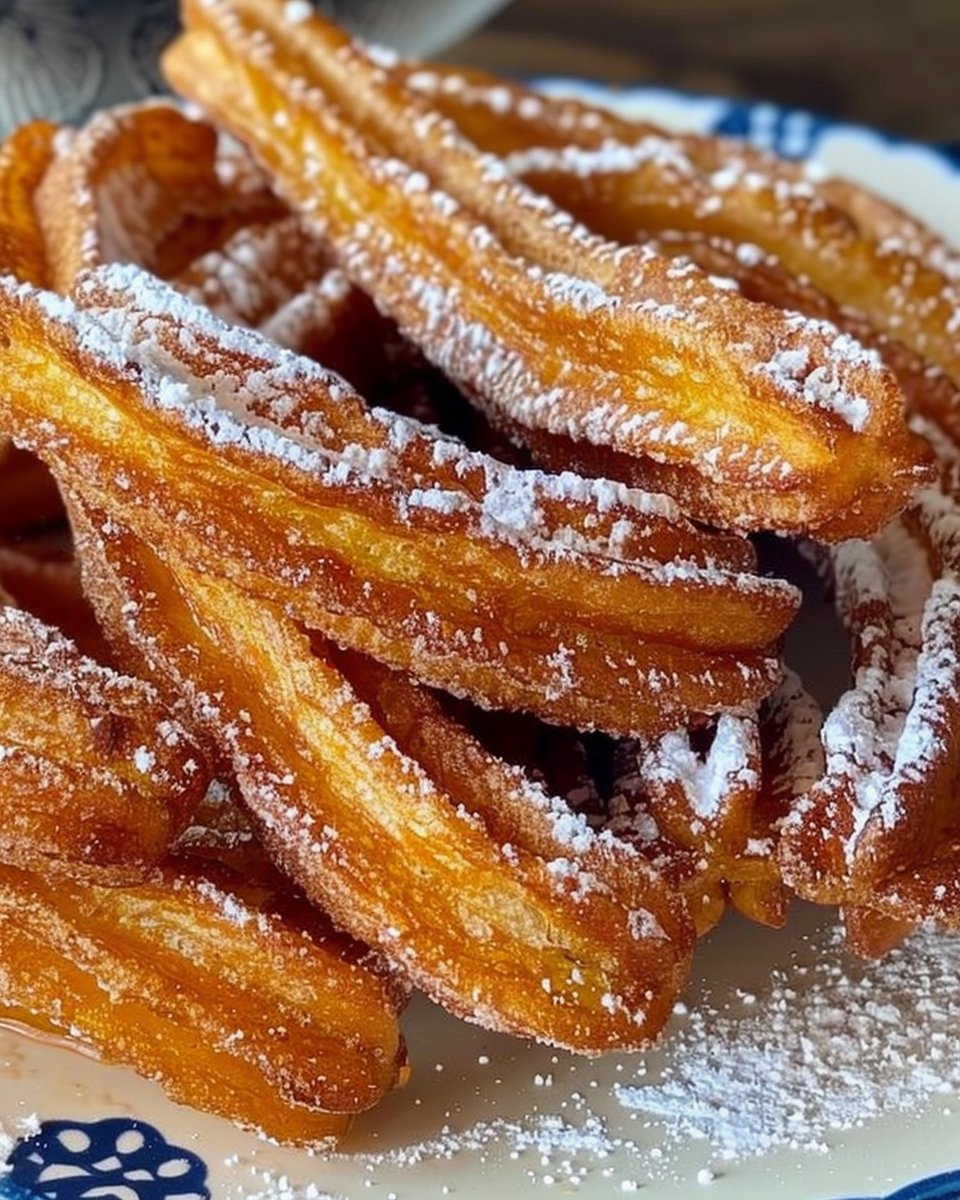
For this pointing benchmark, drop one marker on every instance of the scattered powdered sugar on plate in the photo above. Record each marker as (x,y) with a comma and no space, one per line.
(269,1186)
(784,1047)
(826,1047)
(819,1046)
(547,1148)
(25,1127)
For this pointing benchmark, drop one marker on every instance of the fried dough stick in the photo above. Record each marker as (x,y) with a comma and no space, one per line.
(878,833)
(25,157)
(249,271)
(28,496)
(930,393)
(623,177)
(788,424)
(685,808)
(480,888)
(786,236)
(235,1000)
(97,778)
(705,807)
(146,184)
(932,398)
(97,785)
(520,589)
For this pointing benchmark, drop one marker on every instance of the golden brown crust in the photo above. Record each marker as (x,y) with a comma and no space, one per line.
(863,252)
(513,588)
(28,496)
(146,184)
(79,739)
(929,391)
(705,806)
(399,824)
(558,331)
(877,833)
(888,274)
(302,1036)
(245,508)
(98,780)
(24,159)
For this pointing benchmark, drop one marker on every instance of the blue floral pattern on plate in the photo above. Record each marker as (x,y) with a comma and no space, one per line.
(790,132)
(116,1157)
(61,59)
(935,1187)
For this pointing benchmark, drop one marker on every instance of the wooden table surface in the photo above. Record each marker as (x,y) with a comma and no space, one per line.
(889,63)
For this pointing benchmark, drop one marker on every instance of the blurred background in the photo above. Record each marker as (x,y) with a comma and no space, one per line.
(889,63)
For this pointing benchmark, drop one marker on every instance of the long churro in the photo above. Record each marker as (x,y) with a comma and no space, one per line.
(786,422)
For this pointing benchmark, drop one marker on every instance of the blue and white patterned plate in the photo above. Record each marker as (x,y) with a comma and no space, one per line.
(791,1072)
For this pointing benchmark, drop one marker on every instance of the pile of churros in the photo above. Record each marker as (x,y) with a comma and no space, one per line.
(383,600)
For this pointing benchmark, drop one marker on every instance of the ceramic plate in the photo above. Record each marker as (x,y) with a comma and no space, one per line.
(790,1071)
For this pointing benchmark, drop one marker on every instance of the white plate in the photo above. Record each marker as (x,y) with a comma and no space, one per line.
(784,1038)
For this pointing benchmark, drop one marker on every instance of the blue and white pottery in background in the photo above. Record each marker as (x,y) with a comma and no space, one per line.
(60,59)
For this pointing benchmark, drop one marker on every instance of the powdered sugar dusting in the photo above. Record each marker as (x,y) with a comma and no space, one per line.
(553,269)
(815,1046)
(297,11)
(891,729)
(233,411)
(823,1048)
(706,782)
(820,386)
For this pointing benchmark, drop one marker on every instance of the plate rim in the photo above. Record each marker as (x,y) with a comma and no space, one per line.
(947,154)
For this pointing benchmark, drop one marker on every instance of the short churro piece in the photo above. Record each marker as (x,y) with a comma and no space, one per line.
(98,779)
(877,833)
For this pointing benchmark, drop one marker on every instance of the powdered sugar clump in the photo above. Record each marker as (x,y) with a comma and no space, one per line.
(297,11)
